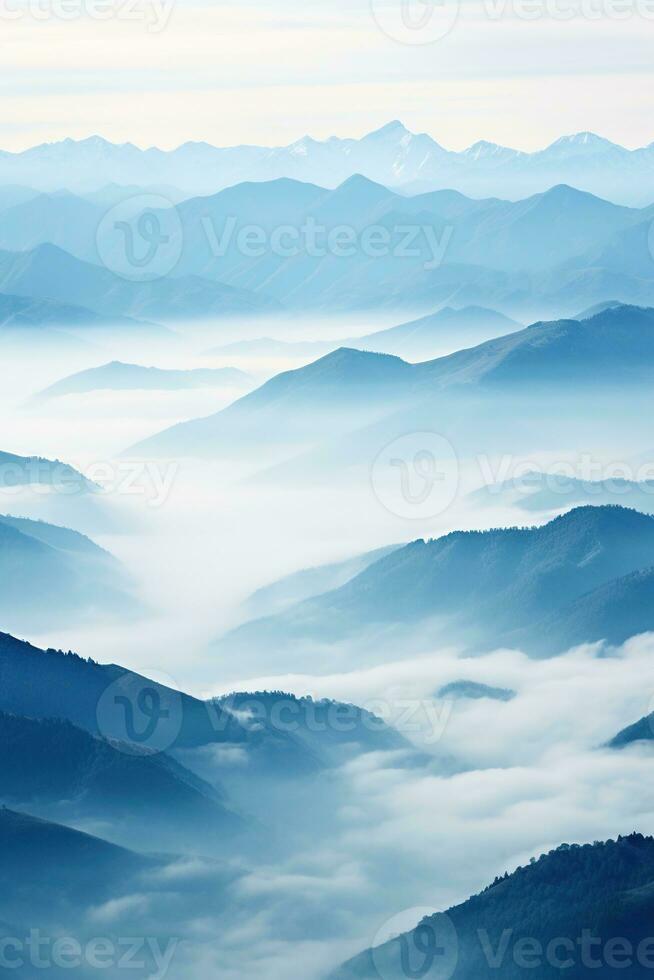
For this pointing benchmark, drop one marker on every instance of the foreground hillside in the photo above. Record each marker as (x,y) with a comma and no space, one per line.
(583,909)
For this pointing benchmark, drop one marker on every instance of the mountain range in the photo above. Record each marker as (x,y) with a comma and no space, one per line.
(391,155)
(556,251)
(46,684)
(48,272)
(442,332)
(348,389)
(584,577)
(249,249)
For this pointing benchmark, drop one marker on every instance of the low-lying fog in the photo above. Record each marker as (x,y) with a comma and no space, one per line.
(509,779)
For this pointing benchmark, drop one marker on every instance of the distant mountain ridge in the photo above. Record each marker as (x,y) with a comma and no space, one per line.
(118,376)
(391,154)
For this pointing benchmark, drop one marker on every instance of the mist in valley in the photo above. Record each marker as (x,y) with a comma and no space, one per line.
(474,786)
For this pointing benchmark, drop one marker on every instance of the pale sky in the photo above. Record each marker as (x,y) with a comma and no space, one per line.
(270,73)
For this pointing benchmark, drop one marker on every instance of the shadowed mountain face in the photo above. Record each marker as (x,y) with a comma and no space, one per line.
(69,573)
(117,704)
(613,612)
(52,684)
(55,767)
(537,588)
(350,388)
(534,920)
(57,882)
(310,582)
(48,272)
(64,863)
(641,731)
(117,376)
